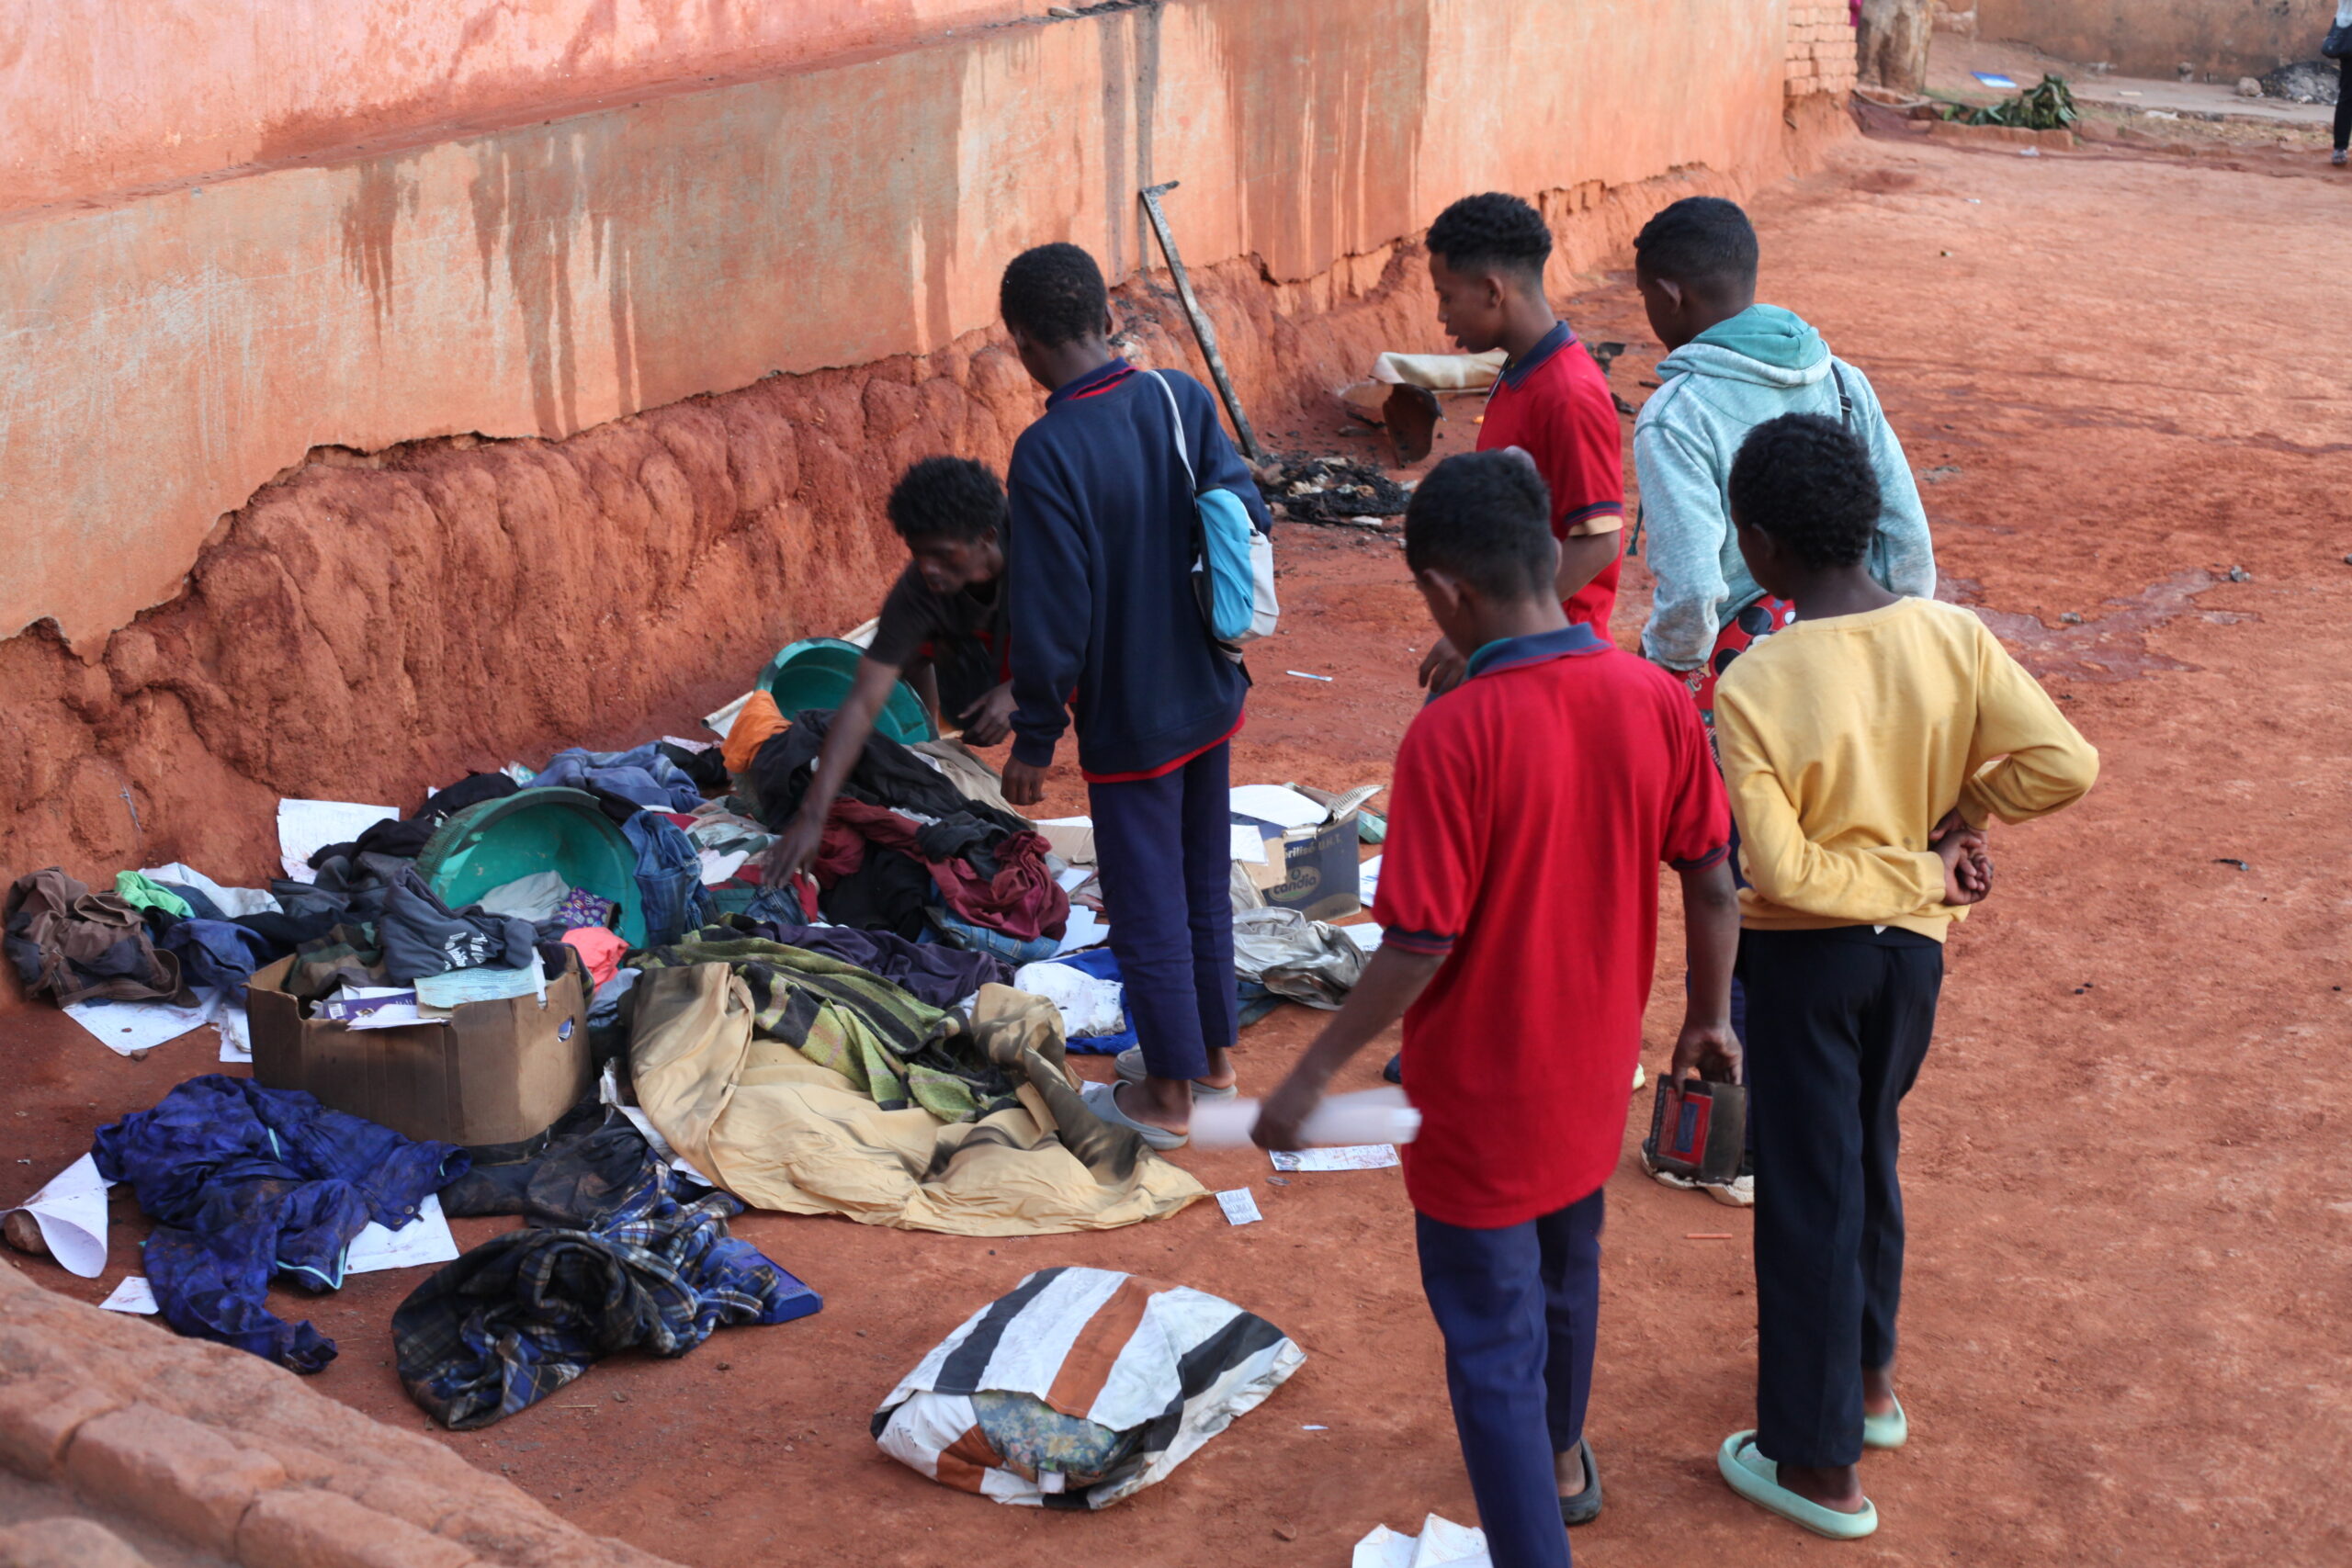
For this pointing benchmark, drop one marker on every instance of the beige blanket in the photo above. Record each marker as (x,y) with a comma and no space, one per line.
(782,1132)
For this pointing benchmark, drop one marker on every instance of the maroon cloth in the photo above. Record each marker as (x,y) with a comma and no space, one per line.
(1022,900)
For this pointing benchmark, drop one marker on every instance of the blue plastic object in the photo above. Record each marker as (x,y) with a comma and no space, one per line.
(815,672)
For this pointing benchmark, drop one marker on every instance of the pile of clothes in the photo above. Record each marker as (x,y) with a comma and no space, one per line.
(908,852)
(250,1186)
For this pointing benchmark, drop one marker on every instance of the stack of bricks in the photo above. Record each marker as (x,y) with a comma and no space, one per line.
(1822,56)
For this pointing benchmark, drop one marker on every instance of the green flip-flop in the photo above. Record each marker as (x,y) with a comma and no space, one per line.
(1757,1479)
(1891,1430)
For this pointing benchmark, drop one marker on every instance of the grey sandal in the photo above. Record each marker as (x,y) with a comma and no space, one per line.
(1103,1099)
(1130,1067)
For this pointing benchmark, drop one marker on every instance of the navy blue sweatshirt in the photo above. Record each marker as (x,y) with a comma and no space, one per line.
(1104,625)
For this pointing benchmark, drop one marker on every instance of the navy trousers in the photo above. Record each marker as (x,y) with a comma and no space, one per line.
(1165,852)
(1839,1025)
(1517,1308)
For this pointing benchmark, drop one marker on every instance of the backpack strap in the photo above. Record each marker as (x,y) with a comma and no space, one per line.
(1845,398)
(1176,418)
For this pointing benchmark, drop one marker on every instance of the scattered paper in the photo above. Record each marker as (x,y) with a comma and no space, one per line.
(128,1027)
(1994,79)
(1441,1544)
(1076,877)
(1366,936)
(682,744)
(722,723)
(483,984)
(353,1003)
(1305,676)
(608,1091)
(1241,1207)
(306,827)
(1085,929)
(72,1214)
(1315,1427)
(1281,806)
(236,1028)
(1368,881)
(1355,1157)
(424,1239)
(718,867)
(132,1295)
(1249,844)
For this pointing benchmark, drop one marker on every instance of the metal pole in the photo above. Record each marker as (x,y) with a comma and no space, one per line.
(1244,437)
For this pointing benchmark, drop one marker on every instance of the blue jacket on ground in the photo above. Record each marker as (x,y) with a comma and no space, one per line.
(246,1184)
(1759,365)
(1104,625)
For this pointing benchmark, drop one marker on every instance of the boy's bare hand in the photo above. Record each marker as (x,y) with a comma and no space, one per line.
(1285,1114)
(1023,784)
(989,718)
(793,849)
(1443,668)
(1709,1051)
(1968,870)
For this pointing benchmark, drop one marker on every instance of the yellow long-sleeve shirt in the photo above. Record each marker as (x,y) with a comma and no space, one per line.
(1845,741)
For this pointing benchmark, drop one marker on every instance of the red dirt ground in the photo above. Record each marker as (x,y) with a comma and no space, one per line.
(2126,1334)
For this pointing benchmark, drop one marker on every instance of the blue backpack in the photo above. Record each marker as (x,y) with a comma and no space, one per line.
(1233,564)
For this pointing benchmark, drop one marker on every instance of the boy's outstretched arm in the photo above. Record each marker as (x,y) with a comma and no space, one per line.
(1392,981)
(1707,1045)
(869,688)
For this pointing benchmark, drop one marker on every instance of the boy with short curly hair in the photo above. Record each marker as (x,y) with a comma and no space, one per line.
(1867,744)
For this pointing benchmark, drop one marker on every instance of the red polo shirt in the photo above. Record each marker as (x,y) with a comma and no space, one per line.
(1554,406)
(1530,809)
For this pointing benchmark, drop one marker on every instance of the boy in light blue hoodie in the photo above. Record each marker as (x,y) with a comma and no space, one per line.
(1732,365)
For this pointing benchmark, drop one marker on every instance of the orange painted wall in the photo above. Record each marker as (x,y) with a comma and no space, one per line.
(162,356)
(105,96)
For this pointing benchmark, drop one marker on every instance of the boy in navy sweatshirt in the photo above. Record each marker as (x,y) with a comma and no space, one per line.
(1106,632)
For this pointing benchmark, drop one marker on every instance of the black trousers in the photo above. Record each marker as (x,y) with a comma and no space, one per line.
(1837,1024)
(2344,104)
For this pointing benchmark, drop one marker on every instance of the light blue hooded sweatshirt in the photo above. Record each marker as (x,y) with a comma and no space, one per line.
(1759,365)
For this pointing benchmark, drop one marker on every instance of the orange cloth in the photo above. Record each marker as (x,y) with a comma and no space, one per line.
(760,721)
(600,951)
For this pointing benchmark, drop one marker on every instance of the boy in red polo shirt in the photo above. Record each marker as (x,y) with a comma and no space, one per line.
(1486,256)
(1519,898)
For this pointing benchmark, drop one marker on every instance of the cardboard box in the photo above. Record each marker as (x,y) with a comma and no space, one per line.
(500,1072)
(1320,866)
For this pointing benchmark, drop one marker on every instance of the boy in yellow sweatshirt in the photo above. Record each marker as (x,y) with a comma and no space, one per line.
(1866,748)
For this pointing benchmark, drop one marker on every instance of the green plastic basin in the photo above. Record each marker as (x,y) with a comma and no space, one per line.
(563,830)
(816,674)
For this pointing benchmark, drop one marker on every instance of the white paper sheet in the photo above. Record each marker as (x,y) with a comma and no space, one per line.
(1085,929)
(133,1295)
(723,721)
(1283,808)
(1441,1544)
(1249,844)
(1368,881)
(306,827)
(1356,1156)
(70,1210)
(608,1091)
(424,1239)
(1076,877)
(127,1027)
(236,1028)
(718,867)
(682,744)
(1365,936)
(1241,1207)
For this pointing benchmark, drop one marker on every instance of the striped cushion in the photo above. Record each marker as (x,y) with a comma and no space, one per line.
(1142,1373)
